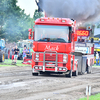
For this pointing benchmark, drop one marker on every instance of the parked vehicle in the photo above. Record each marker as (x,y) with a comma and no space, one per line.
(4,52)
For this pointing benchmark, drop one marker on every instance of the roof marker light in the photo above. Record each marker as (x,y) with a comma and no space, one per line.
(72,23)
(63,21)
(42,20)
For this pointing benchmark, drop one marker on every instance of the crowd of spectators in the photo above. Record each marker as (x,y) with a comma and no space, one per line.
(26,53)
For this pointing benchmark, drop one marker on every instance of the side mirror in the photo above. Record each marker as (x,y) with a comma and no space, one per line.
(30,33)
(75,37)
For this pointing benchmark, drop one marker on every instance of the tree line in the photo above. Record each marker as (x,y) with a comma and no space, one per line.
(14,23)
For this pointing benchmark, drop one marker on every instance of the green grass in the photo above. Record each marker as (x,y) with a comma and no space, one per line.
(8,63)
(93,97)
(96,65)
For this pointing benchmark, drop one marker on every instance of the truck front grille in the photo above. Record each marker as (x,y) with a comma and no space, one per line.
(50,57)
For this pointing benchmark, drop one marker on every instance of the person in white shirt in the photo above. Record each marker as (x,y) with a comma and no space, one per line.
(97,58)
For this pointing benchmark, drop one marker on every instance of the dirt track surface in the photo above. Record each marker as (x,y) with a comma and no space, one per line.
(17,83)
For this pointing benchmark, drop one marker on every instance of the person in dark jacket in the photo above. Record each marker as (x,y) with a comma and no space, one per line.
(16,52)
(81,40)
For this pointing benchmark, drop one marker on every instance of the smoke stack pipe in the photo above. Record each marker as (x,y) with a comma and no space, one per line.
(39,7)
(38,4)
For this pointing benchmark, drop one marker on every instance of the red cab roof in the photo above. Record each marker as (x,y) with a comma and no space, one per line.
(55,21)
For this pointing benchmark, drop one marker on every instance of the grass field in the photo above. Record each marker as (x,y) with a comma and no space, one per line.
(96,65)
(93,97)
(8,63)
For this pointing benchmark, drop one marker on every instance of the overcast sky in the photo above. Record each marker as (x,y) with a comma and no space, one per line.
(28,5)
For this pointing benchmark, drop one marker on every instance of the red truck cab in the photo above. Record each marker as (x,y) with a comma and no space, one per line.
(54,45)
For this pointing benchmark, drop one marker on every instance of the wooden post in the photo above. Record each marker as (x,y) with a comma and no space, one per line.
(88,91)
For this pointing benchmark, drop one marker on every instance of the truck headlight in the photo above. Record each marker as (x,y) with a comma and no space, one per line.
(37,54)
(40,67)
(64,60)
(37,59)
(60,68)
(64,68)
(65,57)
(36,67)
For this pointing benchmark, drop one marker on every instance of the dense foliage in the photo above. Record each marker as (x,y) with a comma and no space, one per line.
(14,23)
(37,14)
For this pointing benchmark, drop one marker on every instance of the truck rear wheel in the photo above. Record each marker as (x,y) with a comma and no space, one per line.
(2,56)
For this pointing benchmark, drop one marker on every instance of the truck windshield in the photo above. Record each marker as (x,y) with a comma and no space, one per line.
(47,33)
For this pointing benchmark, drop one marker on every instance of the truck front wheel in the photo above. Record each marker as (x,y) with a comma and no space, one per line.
(70,73)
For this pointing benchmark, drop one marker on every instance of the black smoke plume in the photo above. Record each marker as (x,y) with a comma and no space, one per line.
(80,10)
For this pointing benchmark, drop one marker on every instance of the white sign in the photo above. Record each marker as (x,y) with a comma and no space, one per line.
(82,49)
(88,90)
(80,44)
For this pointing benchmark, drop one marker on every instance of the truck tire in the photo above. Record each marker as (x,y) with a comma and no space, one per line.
(35,74)
(75,73)
(70,72)
(2,56)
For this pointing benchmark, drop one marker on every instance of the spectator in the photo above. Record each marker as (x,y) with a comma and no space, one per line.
(81,40)
(16,51)
(24,53)
(28,53)
(97,58)
(13,53)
